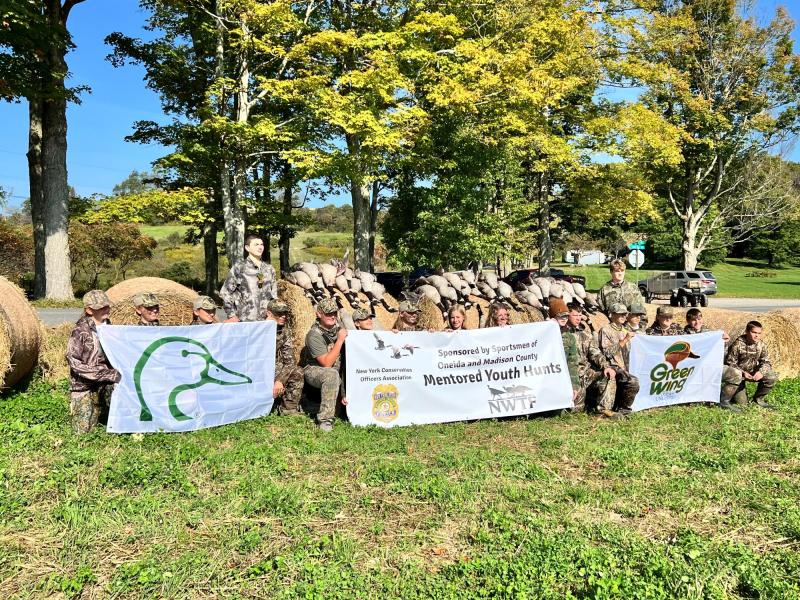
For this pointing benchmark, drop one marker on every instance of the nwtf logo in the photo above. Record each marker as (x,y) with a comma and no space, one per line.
(663,379)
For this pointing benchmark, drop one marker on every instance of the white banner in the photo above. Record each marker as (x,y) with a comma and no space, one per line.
(416,377)
(188,378)
(677,369)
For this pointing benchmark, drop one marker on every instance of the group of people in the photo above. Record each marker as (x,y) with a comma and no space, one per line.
(598,361)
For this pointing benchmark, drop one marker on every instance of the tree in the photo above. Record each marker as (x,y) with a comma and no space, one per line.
(16,251)
(721,92)
(135,183)
(95,248)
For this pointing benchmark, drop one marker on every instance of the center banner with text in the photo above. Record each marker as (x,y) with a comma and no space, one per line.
(677,369)
(413,378)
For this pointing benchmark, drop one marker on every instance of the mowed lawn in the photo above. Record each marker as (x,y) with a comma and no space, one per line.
(687,502)
(732,281)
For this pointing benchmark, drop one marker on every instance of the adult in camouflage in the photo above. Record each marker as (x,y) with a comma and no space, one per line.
(250,285)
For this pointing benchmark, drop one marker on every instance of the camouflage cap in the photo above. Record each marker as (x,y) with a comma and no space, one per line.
(409,307)
(204,302)
(327,306)
(665,311)
(617,308)
(558,308)
(278,307)
(637,309)
(361,314)
(96,299)
(146,299)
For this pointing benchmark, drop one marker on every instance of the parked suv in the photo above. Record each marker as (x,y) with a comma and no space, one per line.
(525,276)
(661,285)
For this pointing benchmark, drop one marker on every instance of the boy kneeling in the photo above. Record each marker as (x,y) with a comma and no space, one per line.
(614,343)
(749,361)
(91,376)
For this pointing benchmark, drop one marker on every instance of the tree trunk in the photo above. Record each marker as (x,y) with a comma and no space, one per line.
(690,250)
(210,250)
(287,210)
(373,225)
(55,187)
(37,195)
(359,192)
(545,243)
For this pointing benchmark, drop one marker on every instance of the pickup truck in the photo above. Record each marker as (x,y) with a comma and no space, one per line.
(525,276)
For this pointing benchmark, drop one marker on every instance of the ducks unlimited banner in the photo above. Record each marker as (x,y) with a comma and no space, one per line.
(188,378)
(677,369)
(414,378)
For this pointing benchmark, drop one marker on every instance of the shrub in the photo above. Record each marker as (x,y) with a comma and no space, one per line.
(16,251)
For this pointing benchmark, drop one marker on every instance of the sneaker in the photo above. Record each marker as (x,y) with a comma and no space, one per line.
(326,425)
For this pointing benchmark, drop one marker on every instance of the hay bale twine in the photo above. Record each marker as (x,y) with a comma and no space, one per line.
(53,355)
(175,300)
(21,334)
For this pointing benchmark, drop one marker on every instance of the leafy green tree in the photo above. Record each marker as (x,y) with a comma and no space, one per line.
(721,92)
(135,183)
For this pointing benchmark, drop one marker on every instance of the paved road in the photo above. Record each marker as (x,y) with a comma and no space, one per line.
(55,316)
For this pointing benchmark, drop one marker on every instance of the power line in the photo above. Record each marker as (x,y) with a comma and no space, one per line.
(72,162)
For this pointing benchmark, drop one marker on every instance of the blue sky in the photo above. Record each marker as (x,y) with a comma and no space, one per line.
(98,155)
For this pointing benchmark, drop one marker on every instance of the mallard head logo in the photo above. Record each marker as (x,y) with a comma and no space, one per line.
(181,350)
(678,352)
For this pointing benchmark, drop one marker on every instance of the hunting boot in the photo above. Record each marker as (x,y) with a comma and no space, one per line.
(764,388)
(725,396)
(610,414)
(740,396)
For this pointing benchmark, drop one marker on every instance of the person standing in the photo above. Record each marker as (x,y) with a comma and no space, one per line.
(456,318)
(593,369)
(249,286)
(407,317)
(664,324)
(614,341)
(147,308)
(749,358)
(497,315)
(619,291)
(91,376)
(288,376)
(322,360)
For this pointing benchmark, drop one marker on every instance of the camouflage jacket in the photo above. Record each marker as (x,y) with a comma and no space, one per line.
(150,324)
(588,351)
(657,330)
(749,358)
(404,327)
(691,330)
(197,321)
(319,338)
(284,354)
(88,364)
(573,358)
(623,293)
(241,295)
(609,337)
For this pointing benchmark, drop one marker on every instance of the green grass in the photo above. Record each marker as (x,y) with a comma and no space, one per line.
(688,502)
(161,232)
(730,276)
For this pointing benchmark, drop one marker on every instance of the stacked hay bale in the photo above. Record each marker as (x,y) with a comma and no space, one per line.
(21,334)
(386,318)
(473,320)
(53,354)
(430,317)
(175,301)
(303,315)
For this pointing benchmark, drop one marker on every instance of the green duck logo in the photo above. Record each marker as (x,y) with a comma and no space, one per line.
(678,352)
(212,373)
(663,379)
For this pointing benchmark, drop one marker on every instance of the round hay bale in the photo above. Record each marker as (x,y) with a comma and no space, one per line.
(473,320)
(598,320)
(383,316)
(790,314)
(175,301)
(53,355)
(430,317)
(21,334)
(303,315)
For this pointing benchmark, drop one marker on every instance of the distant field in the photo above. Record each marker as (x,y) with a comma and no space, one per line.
(160,232)
(730,276)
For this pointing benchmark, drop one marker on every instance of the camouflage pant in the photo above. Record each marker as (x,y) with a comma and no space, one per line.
(595,382)
(292,389)
(735,385)
(328,382)
(620,392)
(86,408)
